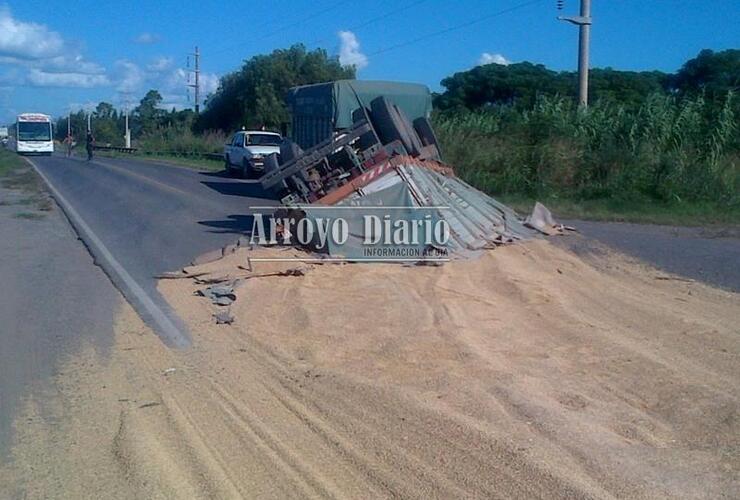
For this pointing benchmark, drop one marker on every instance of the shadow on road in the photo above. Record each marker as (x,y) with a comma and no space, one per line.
(235,188)
(236,224)
(223,174)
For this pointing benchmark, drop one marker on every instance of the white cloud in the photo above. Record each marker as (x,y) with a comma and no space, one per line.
(487,58)
(179,79)
(88,106)
(39,78)
(171,83)
(146,38)
(128,76)
(45,57)
(160,64)
(349,51)
(72,63)
(23,40)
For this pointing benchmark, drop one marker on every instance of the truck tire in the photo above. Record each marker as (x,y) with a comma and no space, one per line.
(271,163)
(227,165)
(391,124)
(289,151)
(425,132)
(246,170)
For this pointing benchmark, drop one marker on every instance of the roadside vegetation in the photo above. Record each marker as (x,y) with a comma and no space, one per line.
(16,174)
(9,163)
(652,147)
(677,157)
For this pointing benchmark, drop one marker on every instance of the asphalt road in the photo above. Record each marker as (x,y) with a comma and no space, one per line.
(154,218)
(711,255)
(53,300)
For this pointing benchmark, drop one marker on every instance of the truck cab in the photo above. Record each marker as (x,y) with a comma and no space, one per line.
(244,154)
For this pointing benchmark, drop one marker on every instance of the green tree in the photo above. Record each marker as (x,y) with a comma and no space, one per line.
(148,114)
(105,110)
(254,95)
(714,73)
(520,84)
(493,84)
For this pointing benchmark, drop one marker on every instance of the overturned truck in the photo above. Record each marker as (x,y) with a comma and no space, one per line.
(370,145)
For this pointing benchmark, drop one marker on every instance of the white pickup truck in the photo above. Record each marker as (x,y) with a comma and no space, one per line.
(246,151)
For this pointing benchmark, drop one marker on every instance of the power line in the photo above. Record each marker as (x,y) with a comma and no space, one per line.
(374,19)
(454,28)
(284,27)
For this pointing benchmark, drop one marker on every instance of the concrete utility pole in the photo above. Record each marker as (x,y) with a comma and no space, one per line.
(196,85)
(89,115)
(584,39)
(69,124)
(127,134)
(127,131)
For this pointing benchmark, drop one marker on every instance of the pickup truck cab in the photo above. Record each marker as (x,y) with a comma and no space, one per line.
(245,153)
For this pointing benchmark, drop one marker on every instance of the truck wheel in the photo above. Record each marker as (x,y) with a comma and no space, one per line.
(391,124)
(289,151)
(246,170)
(425,132)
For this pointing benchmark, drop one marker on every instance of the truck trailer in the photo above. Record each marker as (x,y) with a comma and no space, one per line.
(320,110)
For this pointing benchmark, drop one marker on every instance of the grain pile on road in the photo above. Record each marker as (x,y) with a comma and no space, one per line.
(528,372)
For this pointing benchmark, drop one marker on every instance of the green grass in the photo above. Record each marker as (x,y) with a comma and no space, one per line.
(17,174)
(643,211)
(10,163)
(669,161)
(176,160)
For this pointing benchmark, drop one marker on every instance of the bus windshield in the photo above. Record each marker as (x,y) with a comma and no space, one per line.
(34,131)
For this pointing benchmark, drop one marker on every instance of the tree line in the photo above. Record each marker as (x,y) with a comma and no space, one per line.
(710,73)
(253,95)
(109,124)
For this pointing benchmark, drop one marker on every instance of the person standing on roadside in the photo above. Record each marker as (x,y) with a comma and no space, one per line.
(69,142)
(90,144)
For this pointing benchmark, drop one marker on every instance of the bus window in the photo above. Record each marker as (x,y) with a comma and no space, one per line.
(34,131)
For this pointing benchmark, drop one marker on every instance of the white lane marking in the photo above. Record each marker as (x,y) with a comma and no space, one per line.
(171,333)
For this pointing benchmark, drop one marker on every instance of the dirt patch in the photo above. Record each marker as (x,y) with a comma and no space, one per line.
(526,373)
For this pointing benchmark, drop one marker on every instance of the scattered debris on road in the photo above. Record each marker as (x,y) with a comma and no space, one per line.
(223,318)
(222,295)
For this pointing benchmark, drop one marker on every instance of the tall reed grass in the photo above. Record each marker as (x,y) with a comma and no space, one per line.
(666,149)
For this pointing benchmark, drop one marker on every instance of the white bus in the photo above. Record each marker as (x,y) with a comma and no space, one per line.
(32,134)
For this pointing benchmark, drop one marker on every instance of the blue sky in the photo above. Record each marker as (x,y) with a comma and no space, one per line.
(53,58)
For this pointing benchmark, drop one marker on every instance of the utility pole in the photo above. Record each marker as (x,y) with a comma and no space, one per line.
(584,38)
(89,115)
(196,85)
(127,134)
(127,131)
(69,124)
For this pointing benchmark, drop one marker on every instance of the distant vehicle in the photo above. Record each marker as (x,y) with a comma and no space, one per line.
(246,151)
(32,134)
(3,136)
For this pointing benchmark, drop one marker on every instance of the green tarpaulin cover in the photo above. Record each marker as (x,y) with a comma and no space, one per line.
(319,109)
